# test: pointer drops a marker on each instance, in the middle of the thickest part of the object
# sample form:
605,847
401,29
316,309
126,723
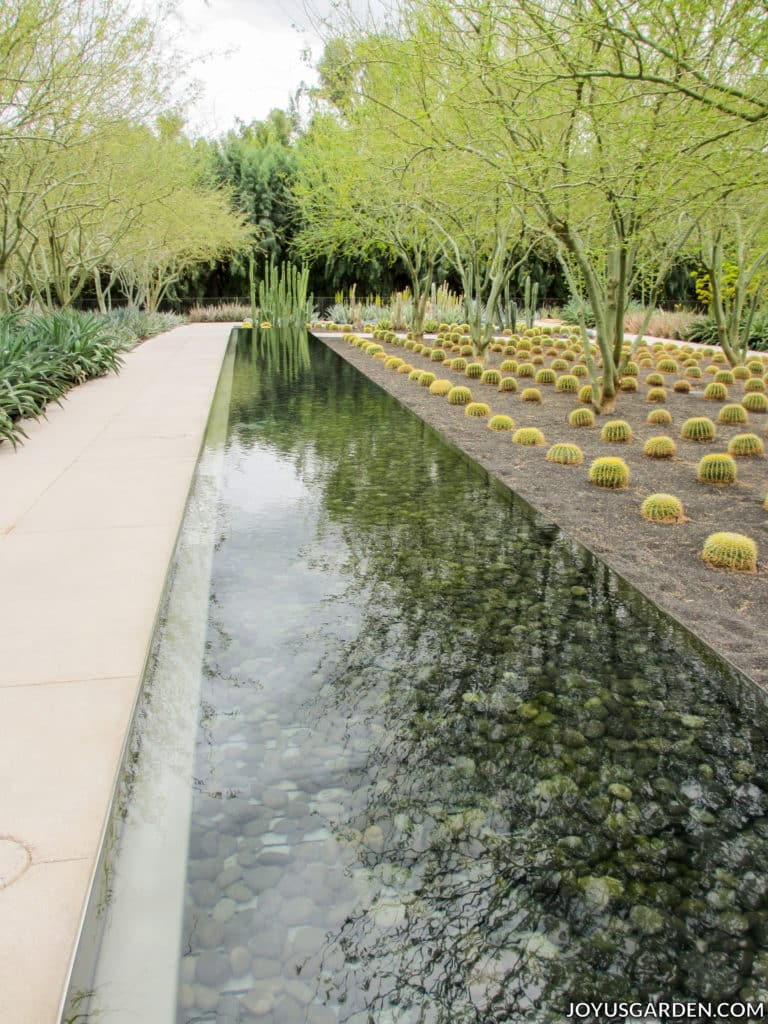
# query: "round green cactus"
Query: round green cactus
609,472
744,445
440,387
667,366
474,370
565,454
567,382
724,377
437,355
530,395
717,468
559,365
662,508
659,418
654,380
477,409
631,369
410,345
755,402
528,436
509,366
617,432
459,364
500,422
698,428
508,384
492,377
731,551
659,448
739,373
732,414
545,376
393,363
715,391
754,384
581,418
719,357
459,396
404,368
579,370
585,394
466,351
526,370
658,395
415,374
628,384
682,387
755,366
427,379
694,372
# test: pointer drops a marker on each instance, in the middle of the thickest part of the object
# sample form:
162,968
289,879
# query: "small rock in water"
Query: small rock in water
288,1012
204,893
239,961
264,968
229,876
297,911
212,968
373,838
224,910
258,1003
209,933
206,999
240,892
268,943
186,995
300,992
318,1014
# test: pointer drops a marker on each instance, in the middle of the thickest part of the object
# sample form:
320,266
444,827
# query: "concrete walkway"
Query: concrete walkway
89,512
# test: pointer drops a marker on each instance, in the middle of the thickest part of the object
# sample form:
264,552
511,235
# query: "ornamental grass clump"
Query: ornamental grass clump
745,445
731,551
659,448
662,508
565,454
755,402
617,432
715,392
530,395
492,377
732,414
609,472
717,468
500,423
698,428
459,396
440,387
581,418
507,384
477,409
528,436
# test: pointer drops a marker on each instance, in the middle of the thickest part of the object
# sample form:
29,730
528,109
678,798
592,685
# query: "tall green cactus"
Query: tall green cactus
283,295
252,284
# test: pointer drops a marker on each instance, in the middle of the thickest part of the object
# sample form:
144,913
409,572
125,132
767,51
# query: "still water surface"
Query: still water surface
448,767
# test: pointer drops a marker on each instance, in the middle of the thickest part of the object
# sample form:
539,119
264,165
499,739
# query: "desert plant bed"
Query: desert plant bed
664,559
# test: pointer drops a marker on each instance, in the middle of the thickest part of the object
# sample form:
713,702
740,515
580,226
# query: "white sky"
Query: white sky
250,54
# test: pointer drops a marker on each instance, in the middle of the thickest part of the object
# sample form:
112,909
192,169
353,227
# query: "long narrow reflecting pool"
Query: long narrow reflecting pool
446,767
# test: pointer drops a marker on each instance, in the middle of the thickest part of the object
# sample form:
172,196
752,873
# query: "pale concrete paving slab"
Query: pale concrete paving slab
89,512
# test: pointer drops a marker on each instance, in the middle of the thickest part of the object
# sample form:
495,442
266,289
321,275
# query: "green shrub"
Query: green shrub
616,431
745,445
659,448
662,508
459,396
717,468
440,387
698,428
565,454
609,472
477,409
581,418
731,551
501,423
507,384
528,436
530,395
732,414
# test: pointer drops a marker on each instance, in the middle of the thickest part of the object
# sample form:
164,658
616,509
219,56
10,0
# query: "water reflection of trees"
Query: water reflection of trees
569,790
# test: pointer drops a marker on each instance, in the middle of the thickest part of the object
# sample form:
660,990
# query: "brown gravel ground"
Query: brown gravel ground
728,611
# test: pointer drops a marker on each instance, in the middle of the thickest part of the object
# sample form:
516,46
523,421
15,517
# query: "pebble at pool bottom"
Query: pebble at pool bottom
448,767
